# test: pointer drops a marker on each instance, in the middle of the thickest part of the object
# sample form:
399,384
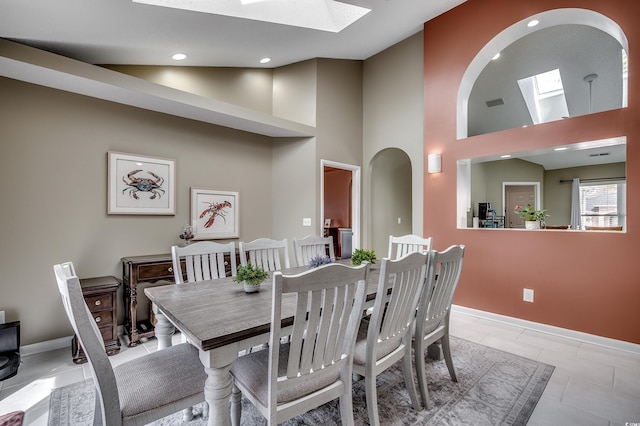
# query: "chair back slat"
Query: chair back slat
203,260
402,246
402,280
311,246
271,255
329,304
442,280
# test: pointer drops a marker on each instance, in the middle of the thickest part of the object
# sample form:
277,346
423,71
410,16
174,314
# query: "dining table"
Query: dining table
223,321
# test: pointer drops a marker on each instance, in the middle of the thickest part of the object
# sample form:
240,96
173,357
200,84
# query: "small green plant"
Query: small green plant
318,260
528,213
363,255
252,275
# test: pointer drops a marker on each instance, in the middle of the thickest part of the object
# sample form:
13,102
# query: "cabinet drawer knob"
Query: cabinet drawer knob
98,319
170,269
98,302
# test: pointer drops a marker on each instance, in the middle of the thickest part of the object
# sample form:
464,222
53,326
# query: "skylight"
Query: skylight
323,15
544,96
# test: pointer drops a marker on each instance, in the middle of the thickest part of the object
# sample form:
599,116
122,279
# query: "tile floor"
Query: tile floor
591,385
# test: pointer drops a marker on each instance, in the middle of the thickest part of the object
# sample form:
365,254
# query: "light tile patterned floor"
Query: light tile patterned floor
591,385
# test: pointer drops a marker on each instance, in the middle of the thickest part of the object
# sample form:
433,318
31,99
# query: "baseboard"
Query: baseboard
48,345
619,345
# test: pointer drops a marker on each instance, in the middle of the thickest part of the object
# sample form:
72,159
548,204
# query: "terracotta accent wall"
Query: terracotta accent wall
582,281
337,197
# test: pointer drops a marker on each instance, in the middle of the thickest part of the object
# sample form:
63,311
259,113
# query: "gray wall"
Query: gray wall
487,179
393,118
53,165
53,170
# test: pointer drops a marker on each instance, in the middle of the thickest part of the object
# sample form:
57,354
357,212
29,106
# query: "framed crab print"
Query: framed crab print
214,214
140,185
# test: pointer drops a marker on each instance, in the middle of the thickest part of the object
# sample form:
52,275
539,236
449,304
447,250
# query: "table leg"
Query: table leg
164,329
217,388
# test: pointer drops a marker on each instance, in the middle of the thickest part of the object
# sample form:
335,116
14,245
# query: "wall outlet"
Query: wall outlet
1,317
306,221
527,295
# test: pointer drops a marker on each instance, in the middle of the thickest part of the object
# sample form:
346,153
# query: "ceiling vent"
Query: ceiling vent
495,102
600,154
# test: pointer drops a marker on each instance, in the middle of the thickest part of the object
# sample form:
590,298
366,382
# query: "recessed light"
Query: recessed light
265,60
561,148
496,56
506,156
533,23
179,57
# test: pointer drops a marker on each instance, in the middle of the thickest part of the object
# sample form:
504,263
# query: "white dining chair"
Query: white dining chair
204,260
386,337
271,255
311,246
401,246
315,366
139,391
432,320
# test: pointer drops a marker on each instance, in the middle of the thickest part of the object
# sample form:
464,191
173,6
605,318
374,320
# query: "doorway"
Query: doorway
519,194
345,200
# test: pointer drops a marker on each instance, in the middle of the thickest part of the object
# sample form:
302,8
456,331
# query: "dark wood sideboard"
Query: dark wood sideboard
100,294
135,271
154,269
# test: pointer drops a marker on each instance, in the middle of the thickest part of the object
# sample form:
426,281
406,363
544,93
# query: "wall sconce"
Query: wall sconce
434,163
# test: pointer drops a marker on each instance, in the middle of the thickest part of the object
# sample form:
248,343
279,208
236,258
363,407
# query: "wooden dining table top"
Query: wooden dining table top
216,313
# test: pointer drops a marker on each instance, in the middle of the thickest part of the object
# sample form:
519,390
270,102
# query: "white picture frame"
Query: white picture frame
214,214
140,184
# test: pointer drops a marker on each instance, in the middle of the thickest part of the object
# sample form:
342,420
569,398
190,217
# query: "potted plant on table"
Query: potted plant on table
251,277
319,260
531,217
363,255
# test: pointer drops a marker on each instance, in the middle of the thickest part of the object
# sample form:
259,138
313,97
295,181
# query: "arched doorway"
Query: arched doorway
391,200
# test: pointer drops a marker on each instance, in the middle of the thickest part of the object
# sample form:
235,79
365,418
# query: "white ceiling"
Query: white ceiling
124,32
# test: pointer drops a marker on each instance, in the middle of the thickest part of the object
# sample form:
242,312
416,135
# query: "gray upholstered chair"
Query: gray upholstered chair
311,246
204,260
271,255
139,391
315,366
432,320
401,246
386,336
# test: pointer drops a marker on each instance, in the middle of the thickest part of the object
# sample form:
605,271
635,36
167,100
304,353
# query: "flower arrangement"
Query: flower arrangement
363,255
528,213
187,234
316,261
252,275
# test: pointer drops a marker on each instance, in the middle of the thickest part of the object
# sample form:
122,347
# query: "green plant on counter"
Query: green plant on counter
528,213
252,275
363,255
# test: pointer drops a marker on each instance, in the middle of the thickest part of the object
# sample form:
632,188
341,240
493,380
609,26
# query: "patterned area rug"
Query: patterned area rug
493,388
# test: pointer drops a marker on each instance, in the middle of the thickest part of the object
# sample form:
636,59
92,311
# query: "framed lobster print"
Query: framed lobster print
140,185
214,214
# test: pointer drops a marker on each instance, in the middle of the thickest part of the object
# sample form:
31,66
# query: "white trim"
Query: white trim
619,345
47,345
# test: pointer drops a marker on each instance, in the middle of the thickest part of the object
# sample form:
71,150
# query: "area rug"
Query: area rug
493,388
